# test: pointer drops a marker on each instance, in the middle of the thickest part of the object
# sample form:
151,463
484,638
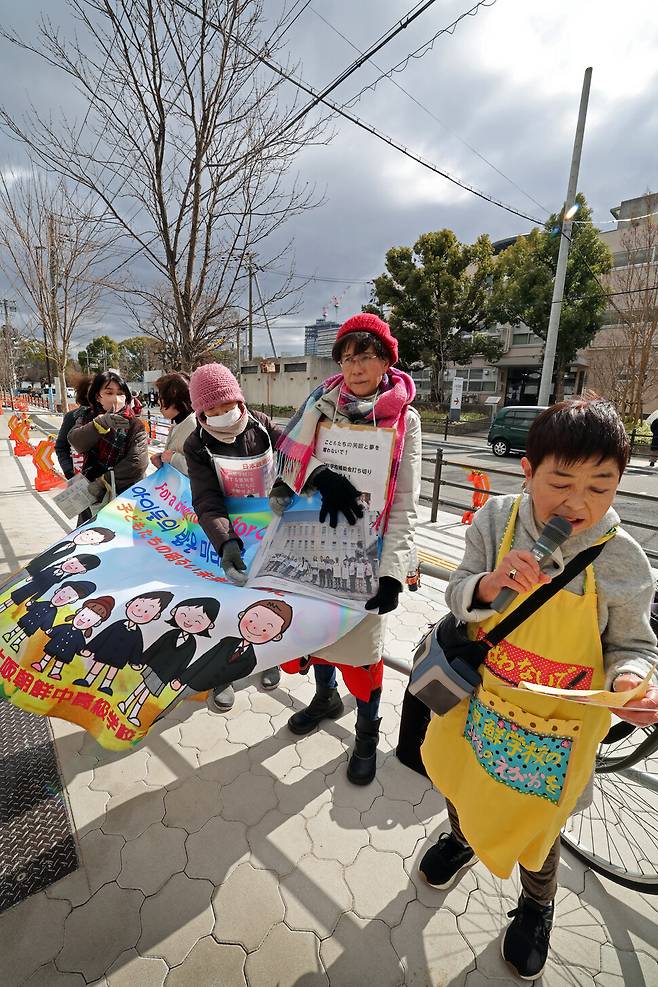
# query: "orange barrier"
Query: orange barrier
480,494
13,422
47,477
21,438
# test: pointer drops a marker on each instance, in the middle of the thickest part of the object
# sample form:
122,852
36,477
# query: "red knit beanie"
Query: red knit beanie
368,322
213,384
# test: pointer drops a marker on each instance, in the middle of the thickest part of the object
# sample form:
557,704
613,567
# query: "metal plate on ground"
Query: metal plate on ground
37,845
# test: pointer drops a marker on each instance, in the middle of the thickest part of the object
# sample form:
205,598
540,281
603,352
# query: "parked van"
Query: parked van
509,429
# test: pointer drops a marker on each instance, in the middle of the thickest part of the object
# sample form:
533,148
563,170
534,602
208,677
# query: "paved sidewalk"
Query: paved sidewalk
225,851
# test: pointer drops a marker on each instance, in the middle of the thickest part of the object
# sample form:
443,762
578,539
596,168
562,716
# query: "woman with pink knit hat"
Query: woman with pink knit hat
226,435
370,392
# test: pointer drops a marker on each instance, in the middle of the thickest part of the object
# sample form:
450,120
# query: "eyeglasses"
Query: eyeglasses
358,361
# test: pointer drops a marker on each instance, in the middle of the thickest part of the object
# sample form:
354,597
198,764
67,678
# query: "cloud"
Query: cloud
507,82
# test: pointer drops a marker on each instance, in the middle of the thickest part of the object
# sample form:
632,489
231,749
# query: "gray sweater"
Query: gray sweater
624,581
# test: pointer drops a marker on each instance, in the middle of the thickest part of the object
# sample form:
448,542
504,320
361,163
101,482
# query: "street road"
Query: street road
474,451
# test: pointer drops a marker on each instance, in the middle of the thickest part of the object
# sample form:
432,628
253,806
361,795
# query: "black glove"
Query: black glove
232,564
386,598
338,496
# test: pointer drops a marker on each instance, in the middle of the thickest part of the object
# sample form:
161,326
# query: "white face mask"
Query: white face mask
108,401
226,420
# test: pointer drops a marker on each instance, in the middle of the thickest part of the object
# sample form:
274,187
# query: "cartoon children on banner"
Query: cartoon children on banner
44,580
121,643
170,659
85,537
172,652
68,639
41,615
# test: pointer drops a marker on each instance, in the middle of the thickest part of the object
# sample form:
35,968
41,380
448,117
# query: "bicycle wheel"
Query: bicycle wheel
617,835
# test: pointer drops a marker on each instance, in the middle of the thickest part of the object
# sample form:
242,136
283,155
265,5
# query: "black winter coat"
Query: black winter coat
207,496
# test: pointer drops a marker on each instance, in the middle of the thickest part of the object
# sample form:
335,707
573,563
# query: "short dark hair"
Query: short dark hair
363,341
576,430
101,380
162,596
82,389
174,390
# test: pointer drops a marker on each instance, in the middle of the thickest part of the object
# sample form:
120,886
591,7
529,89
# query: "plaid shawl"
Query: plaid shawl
295,447
110,446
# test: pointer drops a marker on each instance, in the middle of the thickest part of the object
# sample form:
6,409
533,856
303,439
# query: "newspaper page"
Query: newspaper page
335,563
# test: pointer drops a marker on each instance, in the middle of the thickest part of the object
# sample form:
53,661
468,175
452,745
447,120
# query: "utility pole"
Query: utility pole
52,266
11,374
563,254
251,307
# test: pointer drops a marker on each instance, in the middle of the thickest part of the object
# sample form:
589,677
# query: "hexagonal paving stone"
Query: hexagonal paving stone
149,861
278,764
96,933
244,925
170,763
118,775
224,762
133,811
248,798
217,849
315,895
210,959
337,833
133,970
379,885
286,957
202,730
393,826
344,793
360,952
431,947
320,751
32,934
100,857
192,804
432,812
175,918
301,792
271,703
400,783
621,967
482,926
88,808
49,976
249,728
278,842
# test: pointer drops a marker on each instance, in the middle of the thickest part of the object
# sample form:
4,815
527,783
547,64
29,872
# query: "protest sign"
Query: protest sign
333,563
130,613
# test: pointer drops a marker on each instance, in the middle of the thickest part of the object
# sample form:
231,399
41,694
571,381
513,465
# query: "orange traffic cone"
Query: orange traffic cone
21,438
42,457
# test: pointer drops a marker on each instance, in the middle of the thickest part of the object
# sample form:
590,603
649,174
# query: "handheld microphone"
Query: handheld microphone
554,534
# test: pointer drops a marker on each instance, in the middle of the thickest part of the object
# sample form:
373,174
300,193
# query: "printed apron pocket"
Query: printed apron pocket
521,750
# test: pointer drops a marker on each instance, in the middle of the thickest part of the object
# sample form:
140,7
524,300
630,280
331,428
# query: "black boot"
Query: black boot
363,762
326,704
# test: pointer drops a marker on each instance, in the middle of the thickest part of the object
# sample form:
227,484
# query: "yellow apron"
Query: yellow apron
513,763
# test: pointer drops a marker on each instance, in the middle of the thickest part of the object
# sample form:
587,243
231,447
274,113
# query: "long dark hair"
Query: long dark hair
103,378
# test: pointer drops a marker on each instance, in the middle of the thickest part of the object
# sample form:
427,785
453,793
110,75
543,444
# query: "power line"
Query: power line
429,112
280,71
376,46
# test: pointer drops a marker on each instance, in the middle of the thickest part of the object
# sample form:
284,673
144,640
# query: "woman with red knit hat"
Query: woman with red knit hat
226,436
369,391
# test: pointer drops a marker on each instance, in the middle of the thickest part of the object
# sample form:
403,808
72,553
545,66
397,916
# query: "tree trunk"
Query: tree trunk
558,373
62,389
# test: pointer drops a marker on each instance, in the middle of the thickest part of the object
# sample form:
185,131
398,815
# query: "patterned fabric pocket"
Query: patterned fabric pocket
510,748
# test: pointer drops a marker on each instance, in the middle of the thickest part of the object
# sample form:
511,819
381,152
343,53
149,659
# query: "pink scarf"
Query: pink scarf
296,445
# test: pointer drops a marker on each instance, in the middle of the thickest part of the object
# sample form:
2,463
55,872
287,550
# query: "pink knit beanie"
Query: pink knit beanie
213,384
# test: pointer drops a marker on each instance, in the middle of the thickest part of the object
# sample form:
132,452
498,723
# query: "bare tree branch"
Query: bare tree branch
184,149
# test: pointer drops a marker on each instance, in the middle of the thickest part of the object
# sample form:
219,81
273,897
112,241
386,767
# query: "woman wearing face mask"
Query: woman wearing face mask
110,436
175,405
369,391
226,435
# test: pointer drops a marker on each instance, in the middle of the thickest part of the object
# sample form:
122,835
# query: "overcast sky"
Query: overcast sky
507,82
